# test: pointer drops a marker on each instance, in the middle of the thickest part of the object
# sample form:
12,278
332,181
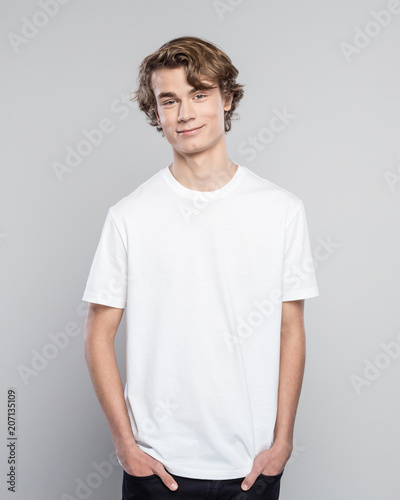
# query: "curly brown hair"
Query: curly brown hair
199,57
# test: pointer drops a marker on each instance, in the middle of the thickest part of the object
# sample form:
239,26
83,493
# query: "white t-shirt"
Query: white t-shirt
202,276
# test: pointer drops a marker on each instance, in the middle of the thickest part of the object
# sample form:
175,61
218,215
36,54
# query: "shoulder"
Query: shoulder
141,197
280,198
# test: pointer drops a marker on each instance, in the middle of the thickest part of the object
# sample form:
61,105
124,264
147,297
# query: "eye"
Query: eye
172,101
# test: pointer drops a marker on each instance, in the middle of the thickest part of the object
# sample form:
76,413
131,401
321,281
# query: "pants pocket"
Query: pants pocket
272,478
130,476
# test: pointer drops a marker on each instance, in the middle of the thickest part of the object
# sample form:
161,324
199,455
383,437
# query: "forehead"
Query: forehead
172,80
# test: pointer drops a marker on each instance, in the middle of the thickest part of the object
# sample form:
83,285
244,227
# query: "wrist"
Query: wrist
284,444
122,444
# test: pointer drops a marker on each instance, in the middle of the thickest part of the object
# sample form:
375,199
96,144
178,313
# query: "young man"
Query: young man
212,264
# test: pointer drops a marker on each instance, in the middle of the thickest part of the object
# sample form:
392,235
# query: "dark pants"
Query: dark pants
152,488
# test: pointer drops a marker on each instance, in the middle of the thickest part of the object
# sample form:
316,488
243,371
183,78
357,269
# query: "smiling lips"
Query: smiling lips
191,131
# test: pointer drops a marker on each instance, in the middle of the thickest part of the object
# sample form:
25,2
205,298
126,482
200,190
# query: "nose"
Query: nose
186,111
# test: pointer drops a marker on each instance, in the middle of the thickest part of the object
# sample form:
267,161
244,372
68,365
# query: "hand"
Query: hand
136,462
269,462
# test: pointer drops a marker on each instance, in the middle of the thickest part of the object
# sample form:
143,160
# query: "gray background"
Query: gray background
340,153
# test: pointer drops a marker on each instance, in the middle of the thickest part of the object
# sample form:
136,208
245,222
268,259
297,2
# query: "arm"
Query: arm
100,329
291,370
292,361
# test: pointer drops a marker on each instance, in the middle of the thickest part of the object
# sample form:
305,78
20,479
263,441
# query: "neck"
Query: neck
207,172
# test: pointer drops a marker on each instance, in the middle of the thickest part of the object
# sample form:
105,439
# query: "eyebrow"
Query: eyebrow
161,95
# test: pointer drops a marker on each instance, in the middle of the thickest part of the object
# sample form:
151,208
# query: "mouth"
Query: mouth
191,131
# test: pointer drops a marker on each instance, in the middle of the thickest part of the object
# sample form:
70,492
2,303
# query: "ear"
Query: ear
155,111
228,102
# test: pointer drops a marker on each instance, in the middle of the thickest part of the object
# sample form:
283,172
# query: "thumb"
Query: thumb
249,480
169,481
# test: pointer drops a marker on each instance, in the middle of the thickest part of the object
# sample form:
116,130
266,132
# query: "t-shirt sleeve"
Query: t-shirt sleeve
299,279
107,281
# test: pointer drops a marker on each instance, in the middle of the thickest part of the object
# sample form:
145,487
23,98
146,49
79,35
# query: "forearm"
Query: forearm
291,371
106,380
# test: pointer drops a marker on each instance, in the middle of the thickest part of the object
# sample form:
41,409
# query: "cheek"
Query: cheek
165,120
214,113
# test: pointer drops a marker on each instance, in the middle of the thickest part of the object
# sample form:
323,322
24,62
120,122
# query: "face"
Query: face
181,108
